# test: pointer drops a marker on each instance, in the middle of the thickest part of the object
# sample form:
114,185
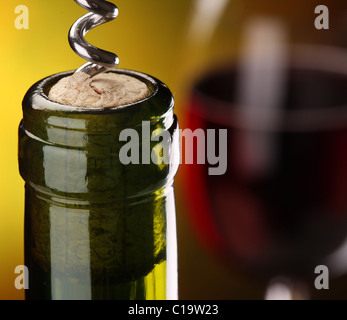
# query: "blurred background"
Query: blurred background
281,208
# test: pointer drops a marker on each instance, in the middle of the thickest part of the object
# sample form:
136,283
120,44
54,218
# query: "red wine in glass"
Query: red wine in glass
281,206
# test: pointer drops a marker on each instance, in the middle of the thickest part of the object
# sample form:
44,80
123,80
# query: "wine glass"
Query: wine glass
280,210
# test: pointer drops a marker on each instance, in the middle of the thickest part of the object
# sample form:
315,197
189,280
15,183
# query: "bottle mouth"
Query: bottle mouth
41,114
46,84
156,107
314,94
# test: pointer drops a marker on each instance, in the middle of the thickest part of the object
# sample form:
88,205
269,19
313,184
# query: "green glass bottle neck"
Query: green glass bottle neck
74,152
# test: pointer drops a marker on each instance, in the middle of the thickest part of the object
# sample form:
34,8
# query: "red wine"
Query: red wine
281,207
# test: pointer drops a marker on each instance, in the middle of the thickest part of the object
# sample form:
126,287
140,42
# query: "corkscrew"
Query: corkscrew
98,60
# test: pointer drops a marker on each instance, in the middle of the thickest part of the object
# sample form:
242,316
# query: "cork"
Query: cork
103,90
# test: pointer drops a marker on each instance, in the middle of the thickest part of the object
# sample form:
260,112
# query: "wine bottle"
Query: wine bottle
96,228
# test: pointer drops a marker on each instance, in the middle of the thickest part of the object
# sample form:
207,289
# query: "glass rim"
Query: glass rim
157,107
43,86
304,57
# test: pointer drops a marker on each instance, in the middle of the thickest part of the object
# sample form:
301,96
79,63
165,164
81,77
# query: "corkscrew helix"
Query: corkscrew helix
99,60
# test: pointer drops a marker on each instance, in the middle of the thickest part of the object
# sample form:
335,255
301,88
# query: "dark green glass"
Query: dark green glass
96,228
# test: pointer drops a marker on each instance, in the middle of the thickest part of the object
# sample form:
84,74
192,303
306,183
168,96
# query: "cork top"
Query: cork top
104,90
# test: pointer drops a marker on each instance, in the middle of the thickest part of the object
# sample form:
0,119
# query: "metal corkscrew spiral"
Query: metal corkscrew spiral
99,60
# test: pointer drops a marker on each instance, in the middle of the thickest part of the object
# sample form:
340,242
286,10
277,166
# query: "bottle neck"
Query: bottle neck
98,153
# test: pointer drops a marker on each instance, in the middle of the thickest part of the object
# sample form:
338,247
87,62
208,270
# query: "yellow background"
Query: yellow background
147,36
